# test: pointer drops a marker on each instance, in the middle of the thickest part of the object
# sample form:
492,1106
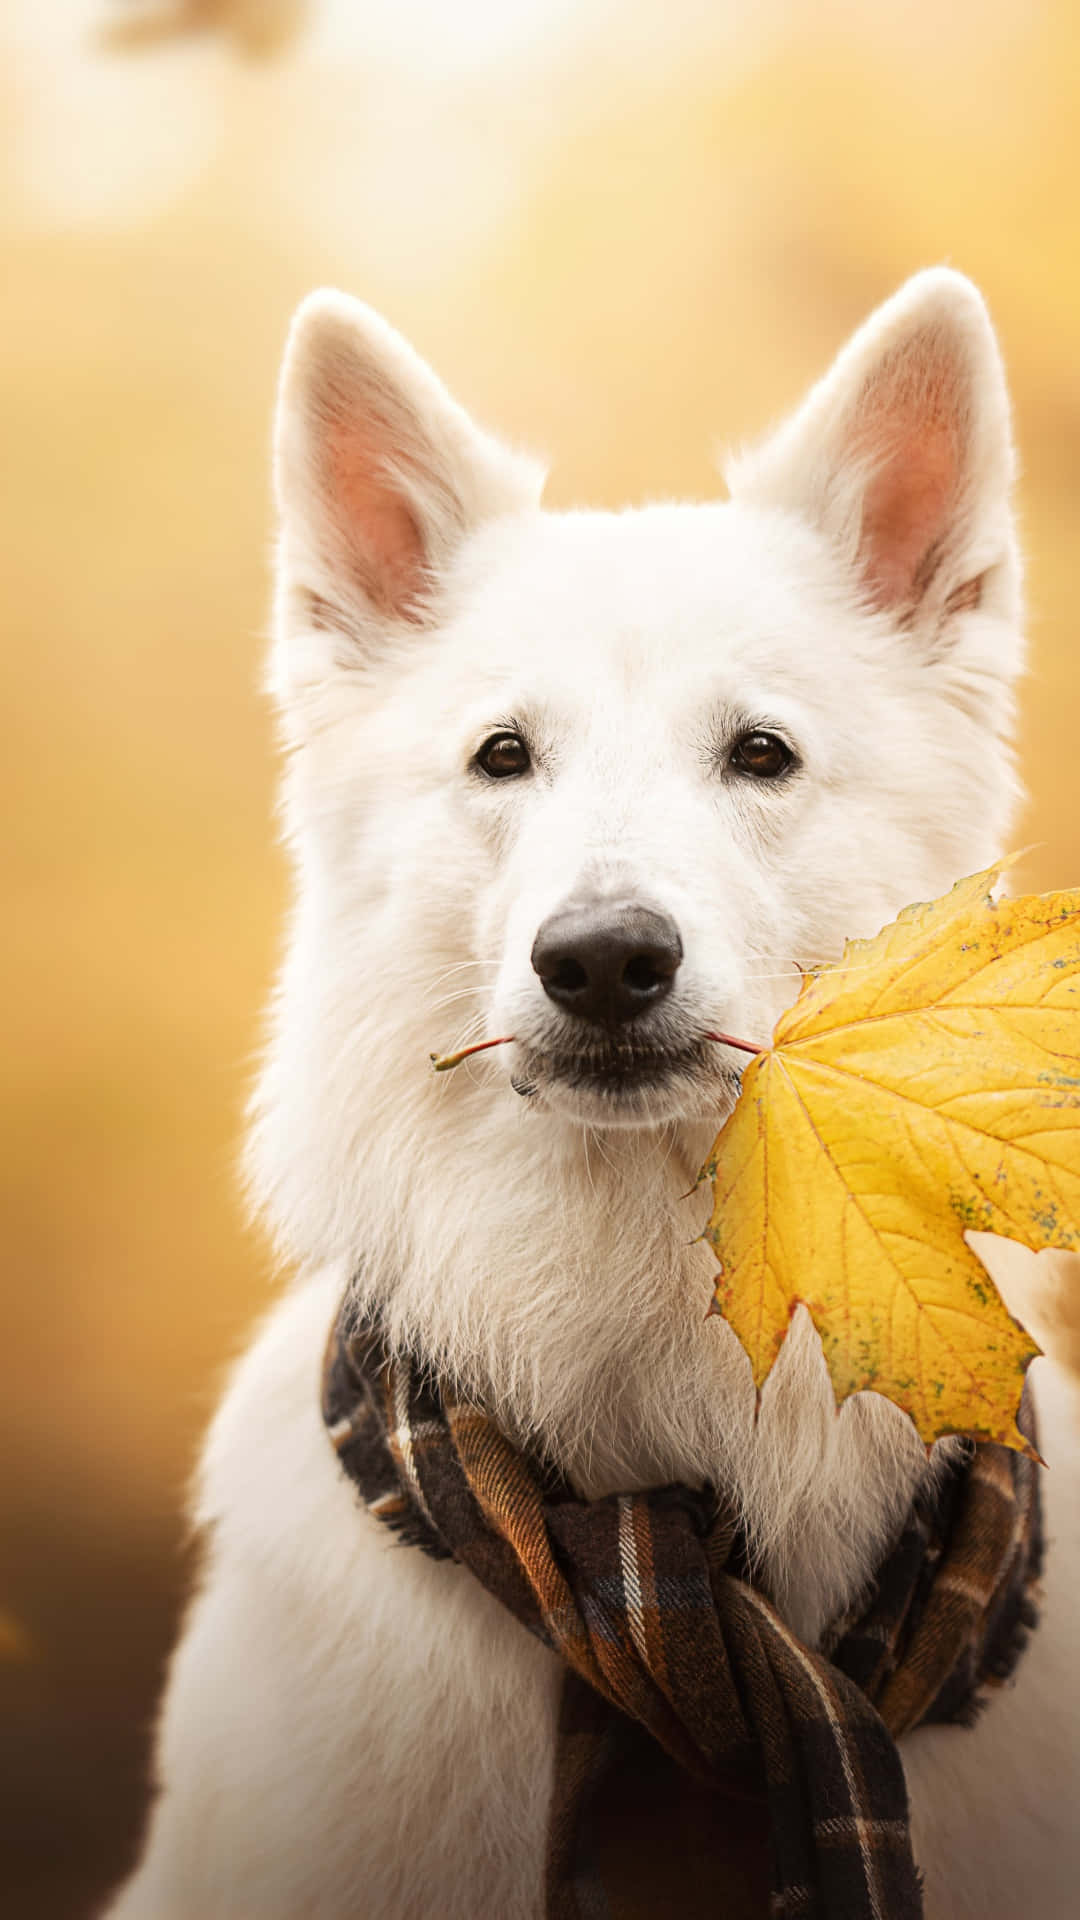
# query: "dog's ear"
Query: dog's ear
380,476
902,455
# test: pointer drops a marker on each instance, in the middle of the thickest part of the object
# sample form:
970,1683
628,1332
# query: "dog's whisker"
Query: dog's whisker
468,966
816,967
462,966
604,1154
585,1131
461,993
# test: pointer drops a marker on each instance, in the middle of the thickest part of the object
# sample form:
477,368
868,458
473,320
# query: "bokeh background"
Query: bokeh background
622,232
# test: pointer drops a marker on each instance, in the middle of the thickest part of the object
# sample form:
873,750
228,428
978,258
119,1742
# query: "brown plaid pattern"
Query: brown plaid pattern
707,1761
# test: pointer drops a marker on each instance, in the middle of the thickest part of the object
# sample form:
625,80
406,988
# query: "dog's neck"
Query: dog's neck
553,1271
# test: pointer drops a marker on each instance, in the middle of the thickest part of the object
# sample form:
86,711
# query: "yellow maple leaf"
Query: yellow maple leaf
926,1086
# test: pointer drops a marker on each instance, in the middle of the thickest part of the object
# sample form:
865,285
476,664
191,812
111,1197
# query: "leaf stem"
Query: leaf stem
729,1040
442,1062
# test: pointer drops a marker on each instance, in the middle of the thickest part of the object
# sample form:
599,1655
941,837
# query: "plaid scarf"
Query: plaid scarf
706,1760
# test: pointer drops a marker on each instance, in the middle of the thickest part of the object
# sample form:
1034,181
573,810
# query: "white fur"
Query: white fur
349,1727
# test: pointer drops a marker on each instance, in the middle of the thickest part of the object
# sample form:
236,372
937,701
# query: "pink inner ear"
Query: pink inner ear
907,508
377,522
910,428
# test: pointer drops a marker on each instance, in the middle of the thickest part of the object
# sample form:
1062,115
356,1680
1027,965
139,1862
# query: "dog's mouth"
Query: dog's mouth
632,1079
619,1066
628,1078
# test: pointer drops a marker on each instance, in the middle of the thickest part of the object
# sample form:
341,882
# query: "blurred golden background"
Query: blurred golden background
622,232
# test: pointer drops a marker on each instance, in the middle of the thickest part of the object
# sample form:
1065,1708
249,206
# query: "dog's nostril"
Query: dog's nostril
568,976
607,964
641,974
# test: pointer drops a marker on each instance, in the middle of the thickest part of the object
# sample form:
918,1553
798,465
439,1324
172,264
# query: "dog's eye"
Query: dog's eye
503,756
761,754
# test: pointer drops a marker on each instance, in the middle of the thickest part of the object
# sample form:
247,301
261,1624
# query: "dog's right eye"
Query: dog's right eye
503,757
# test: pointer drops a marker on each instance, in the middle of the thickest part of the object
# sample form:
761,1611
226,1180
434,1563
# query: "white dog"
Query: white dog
598,782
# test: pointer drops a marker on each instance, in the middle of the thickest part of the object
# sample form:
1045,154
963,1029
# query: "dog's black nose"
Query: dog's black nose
607,963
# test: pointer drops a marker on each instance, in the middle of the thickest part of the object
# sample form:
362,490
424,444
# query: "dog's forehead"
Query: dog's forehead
662,593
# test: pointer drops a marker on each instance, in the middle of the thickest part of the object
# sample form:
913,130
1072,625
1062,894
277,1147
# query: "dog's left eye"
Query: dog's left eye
762,755
503,756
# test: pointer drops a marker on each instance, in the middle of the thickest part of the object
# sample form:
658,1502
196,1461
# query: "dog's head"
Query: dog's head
604,782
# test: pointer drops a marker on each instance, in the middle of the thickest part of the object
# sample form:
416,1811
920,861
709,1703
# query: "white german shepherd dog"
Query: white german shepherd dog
600,782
